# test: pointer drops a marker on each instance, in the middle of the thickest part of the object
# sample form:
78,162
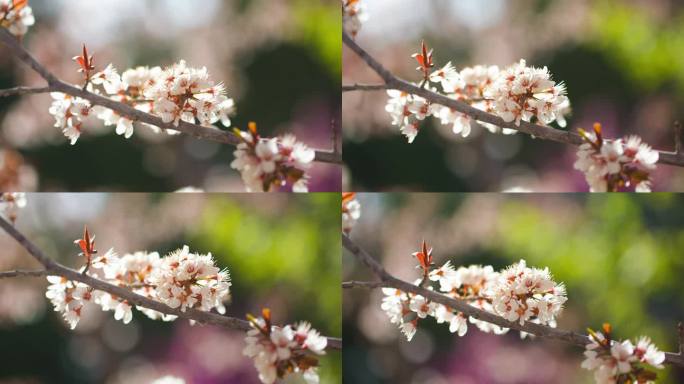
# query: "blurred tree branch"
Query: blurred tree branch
543,331
53,268
56,85
364,87
16,91
363,284
538,131
22,273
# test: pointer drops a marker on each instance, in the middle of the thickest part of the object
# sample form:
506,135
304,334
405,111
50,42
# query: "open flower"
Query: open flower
521,93
270,163
353,16
621,362
189,280
11,203
614,165
351,211
281,351
16,16
69,113
525,294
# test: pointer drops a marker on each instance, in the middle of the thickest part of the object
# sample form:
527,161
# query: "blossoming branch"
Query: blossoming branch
518,293
504,100
177,93
181,284
516,93
181,279
175,99
519,297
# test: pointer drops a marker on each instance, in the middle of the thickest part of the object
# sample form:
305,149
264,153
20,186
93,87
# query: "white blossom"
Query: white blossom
523,294
619,362
351,211
16,16
521,93
11,203
189,280
268,163
615,164
354,15
279,351
69,113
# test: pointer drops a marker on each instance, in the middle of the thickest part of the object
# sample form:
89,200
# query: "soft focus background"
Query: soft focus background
283,252
621,61
619,256
280,61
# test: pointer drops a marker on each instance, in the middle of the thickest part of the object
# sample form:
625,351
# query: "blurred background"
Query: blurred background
620,59
280,61
619,257
282,251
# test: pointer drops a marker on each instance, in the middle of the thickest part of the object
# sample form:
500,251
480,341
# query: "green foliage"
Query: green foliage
319,26
294,255
649,51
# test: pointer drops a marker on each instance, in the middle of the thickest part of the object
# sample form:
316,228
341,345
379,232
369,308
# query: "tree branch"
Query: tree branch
364,87
56,269
363,284
22,273
197,131
467,309
537,131
23,91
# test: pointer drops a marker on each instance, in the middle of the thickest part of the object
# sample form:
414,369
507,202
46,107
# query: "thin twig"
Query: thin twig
22,273
16,91
364,87
678,137
363,284
198,131
680,334
56,269
539,330
536,131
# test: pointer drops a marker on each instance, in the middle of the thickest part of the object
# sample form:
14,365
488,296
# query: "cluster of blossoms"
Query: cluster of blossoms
610,166
174,94
10,203
526,294
516,93
621,362
279,351
351,211
518,293
16,16
270,163
354,15
180,280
